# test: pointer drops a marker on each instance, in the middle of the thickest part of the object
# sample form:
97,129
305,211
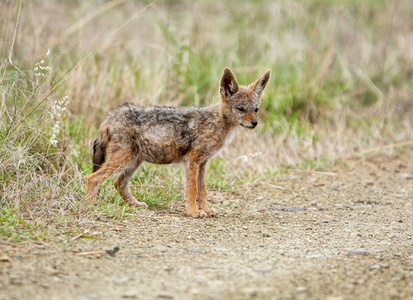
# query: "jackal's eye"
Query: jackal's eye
240,108
256,110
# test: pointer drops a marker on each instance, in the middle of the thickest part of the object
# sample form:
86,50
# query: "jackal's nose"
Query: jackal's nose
254,123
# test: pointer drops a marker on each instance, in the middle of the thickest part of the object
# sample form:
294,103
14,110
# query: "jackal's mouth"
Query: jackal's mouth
249,127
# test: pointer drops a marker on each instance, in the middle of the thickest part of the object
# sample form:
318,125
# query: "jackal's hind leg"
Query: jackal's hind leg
122,185
95,180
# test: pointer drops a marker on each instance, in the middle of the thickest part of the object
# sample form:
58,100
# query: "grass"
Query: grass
13,228
341,83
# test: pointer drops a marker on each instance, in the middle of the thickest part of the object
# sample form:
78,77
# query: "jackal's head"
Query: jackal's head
240,104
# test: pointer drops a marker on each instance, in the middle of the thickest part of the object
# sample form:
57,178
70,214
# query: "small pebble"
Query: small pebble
130,295
358,253
112,250
15,280
407,176
164,296
197,251
4,258
263,270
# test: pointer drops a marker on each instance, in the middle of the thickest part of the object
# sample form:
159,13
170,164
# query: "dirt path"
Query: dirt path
342,234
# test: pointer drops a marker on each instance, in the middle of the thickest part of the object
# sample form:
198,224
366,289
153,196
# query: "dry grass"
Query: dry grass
341,83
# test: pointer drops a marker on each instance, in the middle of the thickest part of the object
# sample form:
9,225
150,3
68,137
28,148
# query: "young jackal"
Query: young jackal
164,135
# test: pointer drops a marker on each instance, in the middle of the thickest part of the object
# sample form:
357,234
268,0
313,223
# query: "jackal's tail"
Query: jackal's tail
99,153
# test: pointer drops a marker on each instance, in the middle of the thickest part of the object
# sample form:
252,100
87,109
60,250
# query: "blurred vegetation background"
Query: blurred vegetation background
341,84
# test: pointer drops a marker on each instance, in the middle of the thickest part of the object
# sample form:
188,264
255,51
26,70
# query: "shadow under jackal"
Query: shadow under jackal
164,135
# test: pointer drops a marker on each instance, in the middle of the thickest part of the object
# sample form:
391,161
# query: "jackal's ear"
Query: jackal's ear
228,85
259,86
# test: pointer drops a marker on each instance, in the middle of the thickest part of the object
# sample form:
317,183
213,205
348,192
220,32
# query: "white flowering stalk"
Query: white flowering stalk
75,153
55,132
41,68
56,113
59,107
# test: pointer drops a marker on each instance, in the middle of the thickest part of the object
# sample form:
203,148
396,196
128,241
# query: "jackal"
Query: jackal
131,135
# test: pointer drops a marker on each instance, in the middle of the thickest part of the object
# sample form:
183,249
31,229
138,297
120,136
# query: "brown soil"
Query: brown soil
342,234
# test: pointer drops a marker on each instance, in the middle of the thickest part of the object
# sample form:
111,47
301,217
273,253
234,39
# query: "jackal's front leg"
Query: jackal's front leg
202,192
192,169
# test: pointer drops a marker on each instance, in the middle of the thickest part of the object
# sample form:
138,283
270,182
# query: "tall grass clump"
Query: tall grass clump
37,156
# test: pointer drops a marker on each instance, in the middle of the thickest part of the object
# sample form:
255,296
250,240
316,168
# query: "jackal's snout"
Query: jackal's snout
249,125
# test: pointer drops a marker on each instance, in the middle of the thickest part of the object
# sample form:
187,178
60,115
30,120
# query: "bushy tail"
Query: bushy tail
99,153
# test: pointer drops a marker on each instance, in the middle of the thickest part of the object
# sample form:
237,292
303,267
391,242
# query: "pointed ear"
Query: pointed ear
228,85
259,86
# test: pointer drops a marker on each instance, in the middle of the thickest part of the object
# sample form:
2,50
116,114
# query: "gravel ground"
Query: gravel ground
342,234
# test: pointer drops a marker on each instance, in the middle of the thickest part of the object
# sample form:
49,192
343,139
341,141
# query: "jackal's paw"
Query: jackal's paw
136,203
197,214
211,212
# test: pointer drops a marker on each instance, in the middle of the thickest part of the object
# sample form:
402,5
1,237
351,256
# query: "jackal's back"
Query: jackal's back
160,135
